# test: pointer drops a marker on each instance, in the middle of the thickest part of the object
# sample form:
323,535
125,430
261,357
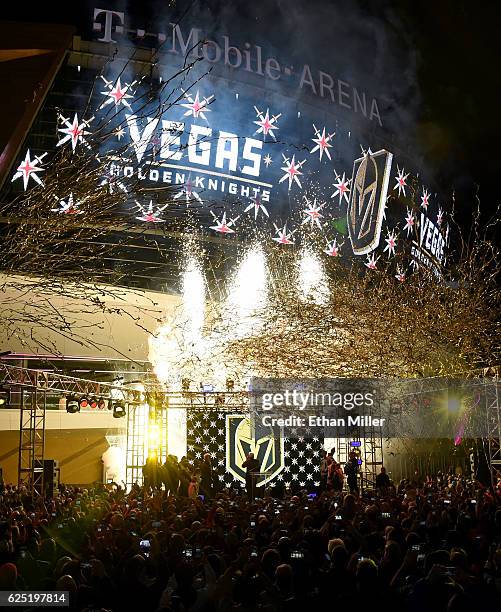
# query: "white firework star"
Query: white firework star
257,205
196,107
29,167
223,227
115,93
74,131
401,179
291,170
188,192
425,199
149,215
371,262
391,243
410,220
312,213
113,182
342,188
283,236
400,275
333,249
321,141
265,123
68,208
440,216
267,160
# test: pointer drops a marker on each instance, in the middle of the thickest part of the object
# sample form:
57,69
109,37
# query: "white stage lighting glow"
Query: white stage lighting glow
312,279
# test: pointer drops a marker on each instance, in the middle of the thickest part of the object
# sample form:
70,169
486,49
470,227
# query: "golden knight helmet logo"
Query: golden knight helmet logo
240,441
371,174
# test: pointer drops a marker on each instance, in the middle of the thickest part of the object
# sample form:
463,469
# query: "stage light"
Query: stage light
93,402
101,404
185,383
153,439
230,384
84,402
72,405
118,410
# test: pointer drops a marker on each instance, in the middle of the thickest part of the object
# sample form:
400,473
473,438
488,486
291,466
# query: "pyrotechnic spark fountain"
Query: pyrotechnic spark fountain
247,295
311,278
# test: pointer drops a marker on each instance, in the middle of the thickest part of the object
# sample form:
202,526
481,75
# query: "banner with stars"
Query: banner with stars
291,461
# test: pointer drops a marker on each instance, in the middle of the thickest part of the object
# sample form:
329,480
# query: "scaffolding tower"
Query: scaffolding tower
493,414
31,452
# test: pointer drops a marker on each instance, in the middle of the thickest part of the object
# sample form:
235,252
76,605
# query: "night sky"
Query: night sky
455,47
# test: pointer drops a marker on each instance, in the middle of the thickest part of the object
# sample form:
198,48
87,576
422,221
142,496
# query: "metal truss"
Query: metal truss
493,414
55,383
141,417
31,387
32,439
34,385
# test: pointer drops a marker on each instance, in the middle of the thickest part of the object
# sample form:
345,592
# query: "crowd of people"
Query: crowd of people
431,544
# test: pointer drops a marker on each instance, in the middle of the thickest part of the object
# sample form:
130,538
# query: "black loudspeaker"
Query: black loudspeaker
50,477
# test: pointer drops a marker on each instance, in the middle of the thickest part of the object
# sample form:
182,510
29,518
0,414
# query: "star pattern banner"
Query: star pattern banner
207,433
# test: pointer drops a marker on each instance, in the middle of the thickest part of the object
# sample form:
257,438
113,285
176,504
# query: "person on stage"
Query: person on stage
351,471
383,481
324,469
252,467
206,476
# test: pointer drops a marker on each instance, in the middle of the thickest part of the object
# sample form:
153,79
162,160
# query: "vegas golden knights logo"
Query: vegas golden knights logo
371,174
240,441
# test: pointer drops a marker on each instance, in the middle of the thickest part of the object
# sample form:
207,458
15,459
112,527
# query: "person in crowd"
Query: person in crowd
194,485
434,545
